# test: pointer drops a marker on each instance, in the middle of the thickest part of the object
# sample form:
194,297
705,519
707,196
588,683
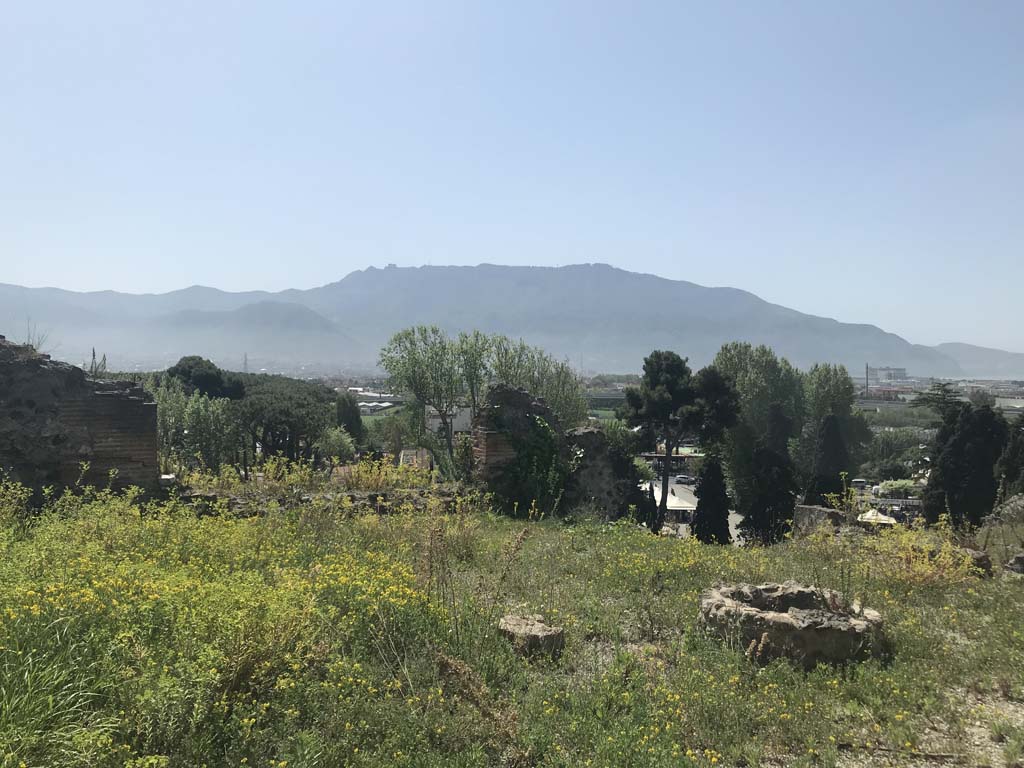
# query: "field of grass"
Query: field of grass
139,634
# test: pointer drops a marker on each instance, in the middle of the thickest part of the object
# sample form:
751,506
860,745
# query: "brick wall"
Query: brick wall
491,451
52,418
112,430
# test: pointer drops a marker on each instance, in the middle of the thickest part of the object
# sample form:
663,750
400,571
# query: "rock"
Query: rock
531,636
1015,564
980,560
802,623
808,519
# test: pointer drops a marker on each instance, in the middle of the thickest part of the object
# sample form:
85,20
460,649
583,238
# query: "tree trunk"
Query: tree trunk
449,443
666,477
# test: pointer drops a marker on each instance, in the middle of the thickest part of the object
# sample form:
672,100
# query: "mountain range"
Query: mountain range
598,317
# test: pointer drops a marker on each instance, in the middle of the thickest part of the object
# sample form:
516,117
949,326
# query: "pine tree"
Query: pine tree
831,459
711,520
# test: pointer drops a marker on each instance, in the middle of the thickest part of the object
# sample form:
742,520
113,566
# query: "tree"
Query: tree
334,447
943,399
770,512
393,433
423,362
830,462
769,389
675,404
764,381
773,485
711,519
979,397
963,480
200,375
517,364
829,390
662,402
1011,464
474,355
348,416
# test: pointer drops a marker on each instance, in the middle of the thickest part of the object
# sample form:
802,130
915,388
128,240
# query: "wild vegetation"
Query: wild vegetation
277,618
140,633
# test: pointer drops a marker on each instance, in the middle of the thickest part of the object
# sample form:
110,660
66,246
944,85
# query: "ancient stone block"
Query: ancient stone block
802,623
530,635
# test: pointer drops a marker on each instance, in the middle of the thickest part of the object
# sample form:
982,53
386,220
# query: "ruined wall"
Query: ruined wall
507,416
606,482
512,420
52,418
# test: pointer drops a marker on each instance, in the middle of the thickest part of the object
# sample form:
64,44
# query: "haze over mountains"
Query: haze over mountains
599,317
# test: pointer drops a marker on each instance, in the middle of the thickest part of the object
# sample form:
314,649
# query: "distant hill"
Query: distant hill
984,362
599,317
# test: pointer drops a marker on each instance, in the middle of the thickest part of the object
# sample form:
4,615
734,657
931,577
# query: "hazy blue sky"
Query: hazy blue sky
863,161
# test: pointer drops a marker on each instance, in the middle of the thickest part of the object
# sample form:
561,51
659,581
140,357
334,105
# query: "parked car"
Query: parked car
685,480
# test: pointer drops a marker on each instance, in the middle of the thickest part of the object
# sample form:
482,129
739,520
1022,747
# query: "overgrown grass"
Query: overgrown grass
141,634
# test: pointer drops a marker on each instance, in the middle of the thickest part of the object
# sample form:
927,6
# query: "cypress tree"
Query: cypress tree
711,520
769,514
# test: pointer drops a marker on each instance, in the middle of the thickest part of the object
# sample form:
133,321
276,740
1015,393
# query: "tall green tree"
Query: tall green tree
831,460
769,388
474,355
517,364
424,363
944,400
1011,464
768,515
348,415
711,518
662,402
963,479
829,390
675,404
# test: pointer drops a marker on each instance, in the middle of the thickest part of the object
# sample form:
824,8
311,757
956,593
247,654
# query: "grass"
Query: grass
138,634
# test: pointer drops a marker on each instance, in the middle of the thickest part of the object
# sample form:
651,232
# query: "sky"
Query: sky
862,161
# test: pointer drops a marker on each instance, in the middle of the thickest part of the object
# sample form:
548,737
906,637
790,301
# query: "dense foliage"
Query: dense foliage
674,404
211,418
444,373
711,518
139,634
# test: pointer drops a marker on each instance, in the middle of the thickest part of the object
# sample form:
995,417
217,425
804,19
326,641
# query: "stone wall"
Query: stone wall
507,415
512,420
53,418
601,480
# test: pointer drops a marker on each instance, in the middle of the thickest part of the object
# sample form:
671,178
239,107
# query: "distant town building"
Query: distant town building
881,375
461,420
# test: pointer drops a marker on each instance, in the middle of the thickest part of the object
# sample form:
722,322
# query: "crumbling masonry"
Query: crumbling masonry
53,419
